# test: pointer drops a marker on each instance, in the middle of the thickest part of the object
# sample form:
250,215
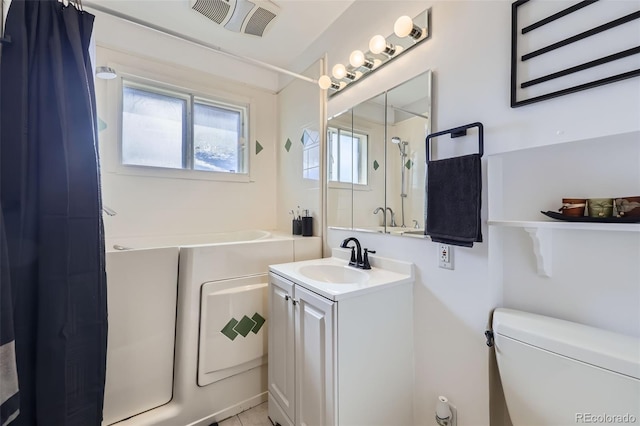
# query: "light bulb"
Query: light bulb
356,59
324,82
339,71
403,26
377,44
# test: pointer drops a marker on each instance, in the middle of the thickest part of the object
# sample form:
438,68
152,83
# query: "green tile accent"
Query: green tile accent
375,165
259,148
408,164
302,137
244,326
259,322
288,144
228,329
101,124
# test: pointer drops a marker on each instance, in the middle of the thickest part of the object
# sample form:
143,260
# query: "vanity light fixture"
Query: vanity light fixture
407,34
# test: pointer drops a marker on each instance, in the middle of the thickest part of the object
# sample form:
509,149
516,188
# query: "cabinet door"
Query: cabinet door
281,368
315,360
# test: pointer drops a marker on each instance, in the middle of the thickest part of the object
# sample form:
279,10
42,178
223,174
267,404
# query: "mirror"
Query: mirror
376,161
408,124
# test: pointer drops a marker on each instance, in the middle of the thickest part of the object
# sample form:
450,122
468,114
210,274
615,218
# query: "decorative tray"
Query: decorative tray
560,216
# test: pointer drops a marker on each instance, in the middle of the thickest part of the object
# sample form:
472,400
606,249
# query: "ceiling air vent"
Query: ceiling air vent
216,10
241,16
259,21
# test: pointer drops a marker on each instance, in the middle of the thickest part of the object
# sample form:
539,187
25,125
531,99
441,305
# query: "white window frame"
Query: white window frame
309,146
151,82
347,185
243,150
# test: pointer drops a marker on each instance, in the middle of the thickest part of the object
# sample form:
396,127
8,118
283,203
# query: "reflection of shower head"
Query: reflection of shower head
402,145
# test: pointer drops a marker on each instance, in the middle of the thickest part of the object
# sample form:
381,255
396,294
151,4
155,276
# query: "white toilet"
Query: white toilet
556,372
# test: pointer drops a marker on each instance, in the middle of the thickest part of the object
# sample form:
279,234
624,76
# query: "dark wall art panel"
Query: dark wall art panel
561,47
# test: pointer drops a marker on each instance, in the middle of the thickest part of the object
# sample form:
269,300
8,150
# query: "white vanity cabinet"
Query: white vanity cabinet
341,360
281,367
302,324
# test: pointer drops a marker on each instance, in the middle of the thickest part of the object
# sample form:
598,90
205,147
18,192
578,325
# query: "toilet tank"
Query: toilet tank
556,372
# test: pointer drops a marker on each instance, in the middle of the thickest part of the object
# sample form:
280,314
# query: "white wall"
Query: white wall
298,109
149,205
469,53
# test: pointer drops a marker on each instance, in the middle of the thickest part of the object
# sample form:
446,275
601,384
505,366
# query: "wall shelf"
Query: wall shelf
585,226
541,233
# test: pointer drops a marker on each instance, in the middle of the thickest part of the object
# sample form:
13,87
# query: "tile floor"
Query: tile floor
257,416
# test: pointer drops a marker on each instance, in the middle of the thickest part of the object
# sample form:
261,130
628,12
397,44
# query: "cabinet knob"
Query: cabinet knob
287,297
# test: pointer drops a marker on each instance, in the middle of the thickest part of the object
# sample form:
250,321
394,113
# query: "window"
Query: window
311,154
347,156
170,129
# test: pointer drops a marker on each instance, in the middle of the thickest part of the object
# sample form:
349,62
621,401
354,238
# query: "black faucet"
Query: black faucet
359,261
355,261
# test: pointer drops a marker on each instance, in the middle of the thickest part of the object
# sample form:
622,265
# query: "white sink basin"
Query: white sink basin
332,277
334,274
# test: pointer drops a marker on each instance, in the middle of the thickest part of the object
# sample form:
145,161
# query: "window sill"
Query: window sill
349,186
168,173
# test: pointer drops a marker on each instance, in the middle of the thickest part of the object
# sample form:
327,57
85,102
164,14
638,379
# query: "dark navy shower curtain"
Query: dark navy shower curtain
51,204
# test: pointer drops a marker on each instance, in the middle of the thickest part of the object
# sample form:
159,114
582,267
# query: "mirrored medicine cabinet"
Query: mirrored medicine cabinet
376,161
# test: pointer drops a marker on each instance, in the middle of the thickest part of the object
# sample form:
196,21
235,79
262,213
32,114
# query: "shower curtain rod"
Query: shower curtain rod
218,49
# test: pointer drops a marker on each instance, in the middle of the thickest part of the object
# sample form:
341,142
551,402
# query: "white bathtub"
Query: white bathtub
168,361
120,244
141,298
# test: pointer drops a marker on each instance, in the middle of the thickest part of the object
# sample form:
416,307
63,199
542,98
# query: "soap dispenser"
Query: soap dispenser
307,224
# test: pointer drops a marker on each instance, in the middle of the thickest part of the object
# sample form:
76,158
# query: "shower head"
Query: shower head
401,144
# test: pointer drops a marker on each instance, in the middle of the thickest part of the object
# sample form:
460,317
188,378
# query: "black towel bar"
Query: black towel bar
458,132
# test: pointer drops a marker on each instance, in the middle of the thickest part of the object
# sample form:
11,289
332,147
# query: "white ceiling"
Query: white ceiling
297,24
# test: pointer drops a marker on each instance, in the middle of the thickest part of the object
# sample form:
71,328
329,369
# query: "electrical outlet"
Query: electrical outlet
445,256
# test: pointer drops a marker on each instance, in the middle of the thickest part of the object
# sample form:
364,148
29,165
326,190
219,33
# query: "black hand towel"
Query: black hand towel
454,199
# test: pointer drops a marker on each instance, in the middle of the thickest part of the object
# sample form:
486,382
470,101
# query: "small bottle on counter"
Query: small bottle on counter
297,227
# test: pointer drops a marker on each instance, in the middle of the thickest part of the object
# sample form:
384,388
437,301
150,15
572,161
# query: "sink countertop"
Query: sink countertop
384,272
